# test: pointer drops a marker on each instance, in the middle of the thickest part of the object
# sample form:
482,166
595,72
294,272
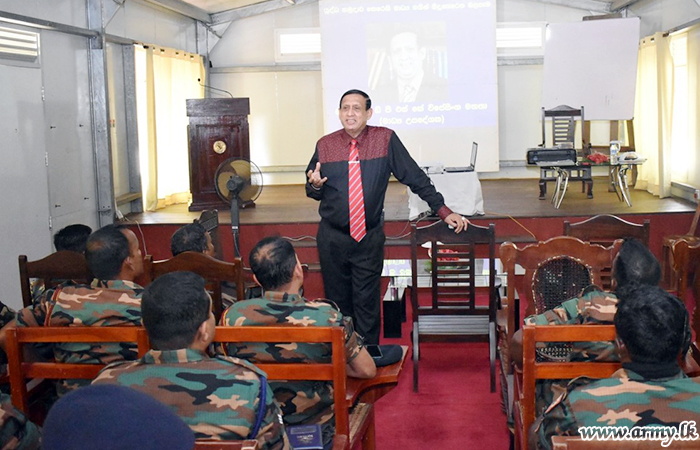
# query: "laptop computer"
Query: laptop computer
472,163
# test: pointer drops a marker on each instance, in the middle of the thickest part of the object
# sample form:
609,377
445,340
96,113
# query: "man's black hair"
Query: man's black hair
273,260
106,250
368,101
652,324
635,265
73,238
190,238
172,309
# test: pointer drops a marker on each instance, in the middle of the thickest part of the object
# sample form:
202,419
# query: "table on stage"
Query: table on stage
461,190
562,174
369,390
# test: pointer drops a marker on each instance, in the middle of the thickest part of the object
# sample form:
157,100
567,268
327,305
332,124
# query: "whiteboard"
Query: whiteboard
592,64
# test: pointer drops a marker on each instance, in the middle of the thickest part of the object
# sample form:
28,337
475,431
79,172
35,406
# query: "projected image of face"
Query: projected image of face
406,56
353,114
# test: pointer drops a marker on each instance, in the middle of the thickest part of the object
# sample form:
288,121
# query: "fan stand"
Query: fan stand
235,184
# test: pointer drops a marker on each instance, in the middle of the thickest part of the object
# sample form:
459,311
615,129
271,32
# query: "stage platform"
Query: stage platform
513,205
502,199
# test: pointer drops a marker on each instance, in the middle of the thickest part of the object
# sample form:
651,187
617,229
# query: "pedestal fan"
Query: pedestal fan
238,181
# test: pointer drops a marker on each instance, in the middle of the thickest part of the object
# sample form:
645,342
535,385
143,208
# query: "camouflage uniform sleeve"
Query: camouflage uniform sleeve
353,343
7,314
35,314
15,430
558,419
271,435
565,314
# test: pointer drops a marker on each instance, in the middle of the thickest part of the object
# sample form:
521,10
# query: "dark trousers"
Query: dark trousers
351,275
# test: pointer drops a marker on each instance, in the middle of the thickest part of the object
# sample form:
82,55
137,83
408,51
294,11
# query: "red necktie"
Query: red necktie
356,199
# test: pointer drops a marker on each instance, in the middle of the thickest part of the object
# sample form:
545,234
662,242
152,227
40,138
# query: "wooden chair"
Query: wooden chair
576,443
668,276
563,119
686,261
534,370
21,369
555,270
603,229
357,425
214,271
452,315
53,270
226,445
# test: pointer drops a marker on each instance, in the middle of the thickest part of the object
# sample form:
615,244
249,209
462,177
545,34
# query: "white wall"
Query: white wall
151,25
277,136
249,42
58,126
286,117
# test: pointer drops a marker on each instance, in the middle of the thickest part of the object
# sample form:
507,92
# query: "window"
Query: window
19,46
297,45
520,39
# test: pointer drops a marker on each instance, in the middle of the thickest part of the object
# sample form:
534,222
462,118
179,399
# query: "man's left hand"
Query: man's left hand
457,222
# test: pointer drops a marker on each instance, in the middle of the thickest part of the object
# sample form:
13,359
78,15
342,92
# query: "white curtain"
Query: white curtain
165,79
693,160
653,115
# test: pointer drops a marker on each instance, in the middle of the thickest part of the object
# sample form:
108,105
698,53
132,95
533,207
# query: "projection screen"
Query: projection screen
429,67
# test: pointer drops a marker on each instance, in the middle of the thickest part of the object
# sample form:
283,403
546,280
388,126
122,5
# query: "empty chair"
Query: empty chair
452,313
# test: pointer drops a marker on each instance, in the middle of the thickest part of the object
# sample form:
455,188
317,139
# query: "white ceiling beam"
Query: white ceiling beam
254,10
183,8
621,4
587,5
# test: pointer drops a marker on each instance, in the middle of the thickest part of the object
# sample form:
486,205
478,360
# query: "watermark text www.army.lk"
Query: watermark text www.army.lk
685,431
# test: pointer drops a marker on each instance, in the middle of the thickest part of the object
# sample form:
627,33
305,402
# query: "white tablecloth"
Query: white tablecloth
462,192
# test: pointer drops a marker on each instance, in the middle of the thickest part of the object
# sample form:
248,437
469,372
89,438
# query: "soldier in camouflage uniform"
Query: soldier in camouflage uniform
74,238
112,299
277,269
192,238
650,389
220,398
634,265
16,431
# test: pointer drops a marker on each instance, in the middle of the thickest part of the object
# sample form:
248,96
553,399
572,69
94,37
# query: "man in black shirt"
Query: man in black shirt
351,240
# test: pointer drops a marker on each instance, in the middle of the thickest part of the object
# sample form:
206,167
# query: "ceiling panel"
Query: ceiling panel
217,6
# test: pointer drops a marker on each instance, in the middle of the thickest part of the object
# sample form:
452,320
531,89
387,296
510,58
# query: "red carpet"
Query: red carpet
454,408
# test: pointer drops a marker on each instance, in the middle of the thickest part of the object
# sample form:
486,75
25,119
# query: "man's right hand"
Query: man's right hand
314,177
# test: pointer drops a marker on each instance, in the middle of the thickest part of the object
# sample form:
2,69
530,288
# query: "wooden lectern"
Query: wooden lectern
218,130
